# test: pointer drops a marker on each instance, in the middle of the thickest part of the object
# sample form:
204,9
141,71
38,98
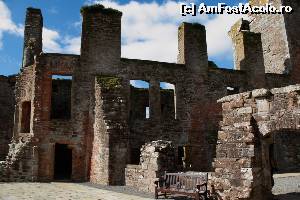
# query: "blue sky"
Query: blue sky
149,29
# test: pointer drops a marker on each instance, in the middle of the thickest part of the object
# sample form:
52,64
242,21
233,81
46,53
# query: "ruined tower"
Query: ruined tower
192,47
248,53
100,62
32,36
280,37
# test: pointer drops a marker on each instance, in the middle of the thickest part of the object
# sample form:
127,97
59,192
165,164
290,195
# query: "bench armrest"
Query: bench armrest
203,184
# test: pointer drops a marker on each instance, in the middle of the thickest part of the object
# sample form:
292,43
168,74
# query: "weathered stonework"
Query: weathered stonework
156,158
259,135
106,125
7,107
280,38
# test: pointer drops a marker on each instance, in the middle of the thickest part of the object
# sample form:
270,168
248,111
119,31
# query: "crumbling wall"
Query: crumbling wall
156,158
274,39
7,107
21,163
247,141
110,145
198,84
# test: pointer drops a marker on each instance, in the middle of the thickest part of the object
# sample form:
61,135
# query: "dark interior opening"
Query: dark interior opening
180,155
61,97
284,152
232,90
167,100
26,115
135,156
139,100
63,162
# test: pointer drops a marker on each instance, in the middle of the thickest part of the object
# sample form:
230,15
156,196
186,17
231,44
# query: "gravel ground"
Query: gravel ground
287,187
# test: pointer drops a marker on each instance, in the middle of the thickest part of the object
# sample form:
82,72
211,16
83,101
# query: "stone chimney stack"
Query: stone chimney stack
33,44
101,39
248,53
192,47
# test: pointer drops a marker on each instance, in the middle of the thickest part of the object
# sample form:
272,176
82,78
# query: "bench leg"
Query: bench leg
156,193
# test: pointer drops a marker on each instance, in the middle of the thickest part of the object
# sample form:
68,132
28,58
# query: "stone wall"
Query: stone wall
61,99
21,163
293,36
156,158
110,145
252,131
286,151
274,39
94,129
33,44
7,107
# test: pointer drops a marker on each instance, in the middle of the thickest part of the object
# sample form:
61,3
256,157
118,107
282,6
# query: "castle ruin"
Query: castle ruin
92,125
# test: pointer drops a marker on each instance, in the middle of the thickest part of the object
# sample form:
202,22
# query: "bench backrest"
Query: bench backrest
186,181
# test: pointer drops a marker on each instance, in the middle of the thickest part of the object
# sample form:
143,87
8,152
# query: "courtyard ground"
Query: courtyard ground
65,191
287,187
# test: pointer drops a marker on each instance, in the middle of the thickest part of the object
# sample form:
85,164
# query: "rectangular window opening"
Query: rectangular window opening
26,116
180,155
168,100
61,97
147,113
139,98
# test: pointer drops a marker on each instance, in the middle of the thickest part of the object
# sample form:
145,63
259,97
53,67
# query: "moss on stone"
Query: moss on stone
99,8
109,82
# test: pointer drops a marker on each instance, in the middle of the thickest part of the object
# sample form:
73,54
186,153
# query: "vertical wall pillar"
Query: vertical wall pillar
32,35
101,39
192,47
292,22
100,55
248,53
154,100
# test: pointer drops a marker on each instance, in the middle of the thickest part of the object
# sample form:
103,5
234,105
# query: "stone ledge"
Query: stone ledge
287,89
234,97
260,93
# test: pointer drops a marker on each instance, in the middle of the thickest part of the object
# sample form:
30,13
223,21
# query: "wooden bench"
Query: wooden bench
192,184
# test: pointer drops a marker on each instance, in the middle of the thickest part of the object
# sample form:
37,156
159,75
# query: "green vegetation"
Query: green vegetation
109,82
99,8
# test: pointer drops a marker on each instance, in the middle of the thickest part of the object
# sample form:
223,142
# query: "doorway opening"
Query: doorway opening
283,159
63,162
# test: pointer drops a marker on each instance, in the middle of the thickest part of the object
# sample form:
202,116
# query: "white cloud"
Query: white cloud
218,41
51,40
6,23
72,44
149,30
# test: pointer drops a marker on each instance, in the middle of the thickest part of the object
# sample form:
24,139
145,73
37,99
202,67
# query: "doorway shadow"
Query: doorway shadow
288,196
